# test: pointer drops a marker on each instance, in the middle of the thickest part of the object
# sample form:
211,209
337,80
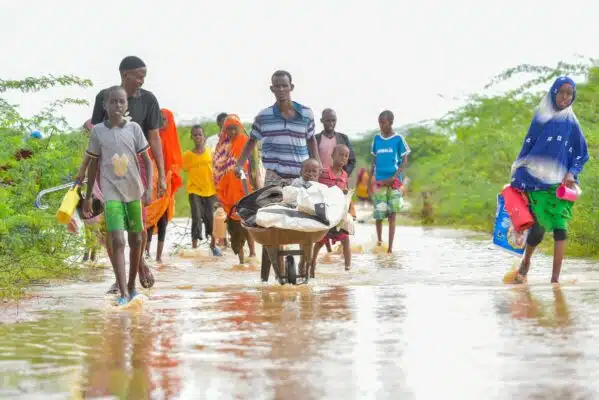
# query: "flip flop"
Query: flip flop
132,294
216,252
122,301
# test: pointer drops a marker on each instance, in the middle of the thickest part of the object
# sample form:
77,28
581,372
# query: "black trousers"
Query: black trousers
202,211
161,224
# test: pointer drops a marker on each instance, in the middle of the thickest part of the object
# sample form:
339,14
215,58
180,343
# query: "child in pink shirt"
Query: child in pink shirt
335,175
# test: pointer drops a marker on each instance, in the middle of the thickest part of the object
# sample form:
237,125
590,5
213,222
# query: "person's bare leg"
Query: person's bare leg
135,253
559,248
252,246
315,251
109,251
194,244
379,231
329,247
525,264
144,240
118,261
392,219
159,249
346,253
148,245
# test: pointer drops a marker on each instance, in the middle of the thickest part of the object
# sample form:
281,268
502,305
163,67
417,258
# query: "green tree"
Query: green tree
33,247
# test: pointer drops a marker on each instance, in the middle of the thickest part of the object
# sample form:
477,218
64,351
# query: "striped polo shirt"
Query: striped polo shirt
284,145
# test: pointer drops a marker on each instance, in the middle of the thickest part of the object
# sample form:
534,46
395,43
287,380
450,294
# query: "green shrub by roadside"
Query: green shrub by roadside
33,247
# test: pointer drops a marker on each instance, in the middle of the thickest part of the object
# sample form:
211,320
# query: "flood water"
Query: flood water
433,321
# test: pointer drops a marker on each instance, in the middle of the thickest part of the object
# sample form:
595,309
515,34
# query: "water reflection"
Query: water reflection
546,313
431,321
129,357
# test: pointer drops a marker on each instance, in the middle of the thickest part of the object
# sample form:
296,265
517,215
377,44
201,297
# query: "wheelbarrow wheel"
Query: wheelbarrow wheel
291,272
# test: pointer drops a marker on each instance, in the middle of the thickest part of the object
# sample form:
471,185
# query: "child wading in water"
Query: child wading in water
201,189
336,176
117,143
554,152
390,152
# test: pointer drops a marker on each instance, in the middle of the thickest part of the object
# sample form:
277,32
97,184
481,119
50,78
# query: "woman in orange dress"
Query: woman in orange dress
229,187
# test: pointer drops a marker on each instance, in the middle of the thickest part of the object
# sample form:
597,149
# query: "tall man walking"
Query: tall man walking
286,130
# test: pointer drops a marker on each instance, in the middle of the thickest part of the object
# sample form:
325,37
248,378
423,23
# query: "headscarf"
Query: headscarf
554,145
171,149
228,150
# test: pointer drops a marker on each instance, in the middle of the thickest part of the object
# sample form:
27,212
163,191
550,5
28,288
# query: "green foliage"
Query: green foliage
33,247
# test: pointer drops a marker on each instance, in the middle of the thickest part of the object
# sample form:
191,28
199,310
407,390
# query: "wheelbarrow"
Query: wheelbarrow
283,261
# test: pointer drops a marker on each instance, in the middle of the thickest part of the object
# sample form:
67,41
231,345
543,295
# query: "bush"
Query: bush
33,247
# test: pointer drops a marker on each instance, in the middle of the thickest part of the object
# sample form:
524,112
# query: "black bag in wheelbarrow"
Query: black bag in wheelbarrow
248,206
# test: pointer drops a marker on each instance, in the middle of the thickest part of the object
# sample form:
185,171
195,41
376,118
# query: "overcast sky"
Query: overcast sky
358,57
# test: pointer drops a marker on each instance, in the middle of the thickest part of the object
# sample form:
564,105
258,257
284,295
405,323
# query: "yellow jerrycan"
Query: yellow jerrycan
219,229
68,205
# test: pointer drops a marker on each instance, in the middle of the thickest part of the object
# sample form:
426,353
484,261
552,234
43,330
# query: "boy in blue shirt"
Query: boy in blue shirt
390,157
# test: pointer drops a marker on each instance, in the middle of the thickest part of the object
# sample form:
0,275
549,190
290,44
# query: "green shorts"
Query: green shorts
121,216
387,201
549,211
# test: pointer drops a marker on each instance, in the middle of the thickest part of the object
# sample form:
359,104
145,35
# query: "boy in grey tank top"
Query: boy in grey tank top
116,143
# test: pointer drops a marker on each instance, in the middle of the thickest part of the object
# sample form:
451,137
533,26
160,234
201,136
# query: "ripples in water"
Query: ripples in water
431,321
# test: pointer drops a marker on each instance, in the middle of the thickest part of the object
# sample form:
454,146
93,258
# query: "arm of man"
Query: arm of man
93,153
93,169
313,148
255,136
141,148
311,141
156,146
149,176
153,121
245,154
83,168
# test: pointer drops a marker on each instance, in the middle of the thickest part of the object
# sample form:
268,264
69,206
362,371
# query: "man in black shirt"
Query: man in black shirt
143,109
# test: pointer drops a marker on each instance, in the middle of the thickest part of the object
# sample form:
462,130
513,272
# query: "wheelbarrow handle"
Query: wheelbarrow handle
42,193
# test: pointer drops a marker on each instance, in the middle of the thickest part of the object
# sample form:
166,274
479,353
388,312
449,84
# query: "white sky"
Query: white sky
358,57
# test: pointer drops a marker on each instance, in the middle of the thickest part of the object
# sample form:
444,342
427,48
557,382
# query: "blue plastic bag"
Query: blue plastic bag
504,235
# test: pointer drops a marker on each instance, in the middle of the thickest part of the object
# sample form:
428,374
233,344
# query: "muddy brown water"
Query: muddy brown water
432,321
